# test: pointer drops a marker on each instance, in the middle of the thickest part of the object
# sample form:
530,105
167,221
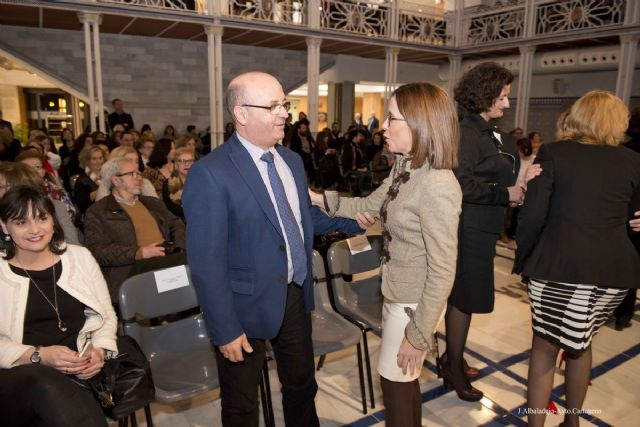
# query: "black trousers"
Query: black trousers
294,356
38,395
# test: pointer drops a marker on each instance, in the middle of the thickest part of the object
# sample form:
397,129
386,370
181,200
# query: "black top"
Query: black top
573,227
485,170
123,119
82,190
40,320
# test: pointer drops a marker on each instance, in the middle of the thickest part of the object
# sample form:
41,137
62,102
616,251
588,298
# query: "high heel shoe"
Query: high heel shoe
471,373
463,389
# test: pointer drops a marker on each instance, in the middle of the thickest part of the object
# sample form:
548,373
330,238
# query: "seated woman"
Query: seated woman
160,164
55,305
86,185
15,174
172,188
53,188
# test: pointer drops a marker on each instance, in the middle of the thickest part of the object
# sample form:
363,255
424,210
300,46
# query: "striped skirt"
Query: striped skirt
570,315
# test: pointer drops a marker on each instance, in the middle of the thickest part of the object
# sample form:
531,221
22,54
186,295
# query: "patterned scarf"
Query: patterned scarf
400,176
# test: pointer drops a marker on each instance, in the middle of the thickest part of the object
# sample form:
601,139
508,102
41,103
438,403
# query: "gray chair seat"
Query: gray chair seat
331,332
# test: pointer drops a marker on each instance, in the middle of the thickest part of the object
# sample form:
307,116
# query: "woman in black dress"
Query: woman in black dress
486,174
574,245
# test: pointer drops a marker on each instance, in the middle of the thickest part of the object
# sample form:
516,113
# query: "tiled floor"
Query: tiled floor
498,344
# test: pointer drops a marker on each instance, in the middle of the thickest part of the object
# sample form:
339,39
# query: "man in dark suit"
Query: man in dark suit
374,123
119,117
249,244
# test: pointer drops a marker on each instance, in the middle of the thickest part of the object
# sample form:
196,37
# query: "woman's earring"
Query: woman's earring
7,238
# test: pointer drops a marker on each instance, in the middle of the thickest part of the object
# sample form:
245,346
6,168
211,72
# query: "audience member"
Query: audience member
9,146
172,188
132,155
119,117
374,123
536,141
126,228
169,132
15,174
160,165
86,185
55,302
229,128
145,148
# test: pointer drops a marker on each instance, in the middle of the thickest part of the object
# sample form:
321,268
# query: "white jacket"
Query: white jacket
82,279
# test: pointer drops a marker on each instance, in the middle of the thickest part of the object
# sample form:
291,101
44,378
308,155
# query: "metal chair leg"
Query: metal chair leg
123,422
147,415
363,393
134,421
368,367
321,362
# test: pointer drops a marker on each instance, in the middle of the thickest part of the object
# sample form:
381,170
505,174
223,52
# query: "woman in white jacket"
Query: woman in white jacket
56,321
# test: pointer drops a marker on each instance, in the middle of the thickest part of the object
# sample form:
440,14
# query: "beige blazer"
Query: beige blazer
423,223
81,278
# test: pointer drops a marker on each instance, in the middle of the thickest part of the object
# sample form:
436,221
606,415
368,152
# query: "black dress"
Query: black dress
485,171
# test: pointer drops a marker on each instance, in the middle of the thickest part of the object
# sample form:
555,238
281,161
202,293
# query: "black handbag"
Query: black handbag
124,384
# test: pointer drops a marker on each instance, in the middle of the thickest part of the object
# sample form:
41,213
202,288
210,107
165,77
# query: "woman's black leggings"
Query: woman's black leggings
37,395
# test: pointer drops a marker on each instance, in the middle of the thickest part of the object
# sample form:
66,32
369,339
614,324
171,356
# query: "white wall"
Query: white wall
9,103
355,69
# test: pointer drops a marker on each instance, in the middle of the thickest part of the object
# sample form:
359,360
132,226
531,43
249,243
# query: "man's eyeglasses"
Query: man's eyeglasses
390,118
185,161
273,109
135,174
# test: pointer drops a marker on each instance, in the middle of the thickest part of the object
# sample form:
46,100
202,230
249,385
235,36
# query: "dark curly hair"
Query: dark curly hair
23,200
481,86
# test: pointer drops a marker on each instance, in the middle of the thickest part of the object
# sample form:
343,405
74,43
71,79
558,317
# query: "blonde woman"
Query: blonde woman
419,204
573,244
172,188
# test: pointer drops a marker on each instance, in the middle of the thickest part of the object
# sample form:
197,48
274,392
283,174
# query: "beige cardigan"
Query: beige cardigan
423,222
81,278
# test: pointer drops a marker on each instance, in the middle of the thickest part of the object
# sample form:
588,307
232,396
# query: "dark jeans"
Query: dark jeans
294,356
37,395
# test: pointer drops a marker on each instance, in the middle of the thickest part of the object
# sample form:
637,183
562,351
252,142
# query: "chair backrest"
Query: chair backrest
347,289
320,284
140,295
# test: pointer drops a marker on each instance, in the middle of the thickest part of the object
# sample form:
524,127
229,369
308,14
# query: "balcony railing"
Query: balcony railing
409,21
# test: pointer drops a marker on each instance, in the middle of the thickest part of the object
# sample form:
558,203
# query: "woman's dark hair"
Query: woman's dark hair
19,202
145,127
479,87
173,130
525,146
161,150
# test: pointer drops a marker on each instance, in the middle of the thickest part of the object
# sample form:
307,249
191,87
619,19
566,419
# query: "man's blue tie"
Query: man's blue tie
291,229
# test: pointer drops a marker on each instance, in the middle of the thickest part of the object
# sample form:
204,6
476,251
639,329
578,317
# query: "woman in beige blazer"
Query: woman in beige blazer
419,205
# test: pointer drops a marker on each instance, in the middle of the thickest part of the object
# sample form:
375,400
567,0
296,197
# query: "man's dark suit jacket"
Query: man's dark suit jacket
573,227
123,119
235,247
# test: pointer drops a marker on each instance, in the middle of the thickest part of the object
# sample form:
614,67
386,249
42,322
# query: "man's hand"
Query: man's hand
409,357
365,219
635,223
153,250
233,350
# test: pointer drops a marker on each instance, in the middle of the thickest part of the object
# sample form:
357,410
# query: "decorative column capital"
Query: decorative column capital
629,38
214,30
527,49
313,42
91,18
392,51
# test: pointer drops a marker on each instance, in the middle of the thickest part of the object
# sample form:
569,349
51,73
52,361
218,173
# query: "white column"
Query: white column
390,73
216,94
455,65
458,23
628,52
313,13
524,86
394,20
313,81
75,111
89,64
529,19
98,70
632,12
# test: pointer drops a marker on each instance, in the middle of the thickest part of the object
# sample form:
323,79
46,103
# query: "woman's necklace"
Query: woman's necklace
61,325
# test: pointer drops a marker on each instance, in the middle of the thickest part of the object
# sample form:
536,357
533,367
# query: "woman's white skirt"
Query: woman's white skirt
394,322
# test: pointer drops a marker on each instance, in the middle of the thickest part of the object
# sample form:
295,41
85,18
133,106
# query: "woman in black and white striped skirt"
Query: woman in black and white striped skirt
573,243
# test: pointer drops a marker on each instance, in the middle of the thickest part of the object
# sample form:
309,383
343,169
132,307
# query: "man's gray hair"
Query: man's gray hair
235,96
110,169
